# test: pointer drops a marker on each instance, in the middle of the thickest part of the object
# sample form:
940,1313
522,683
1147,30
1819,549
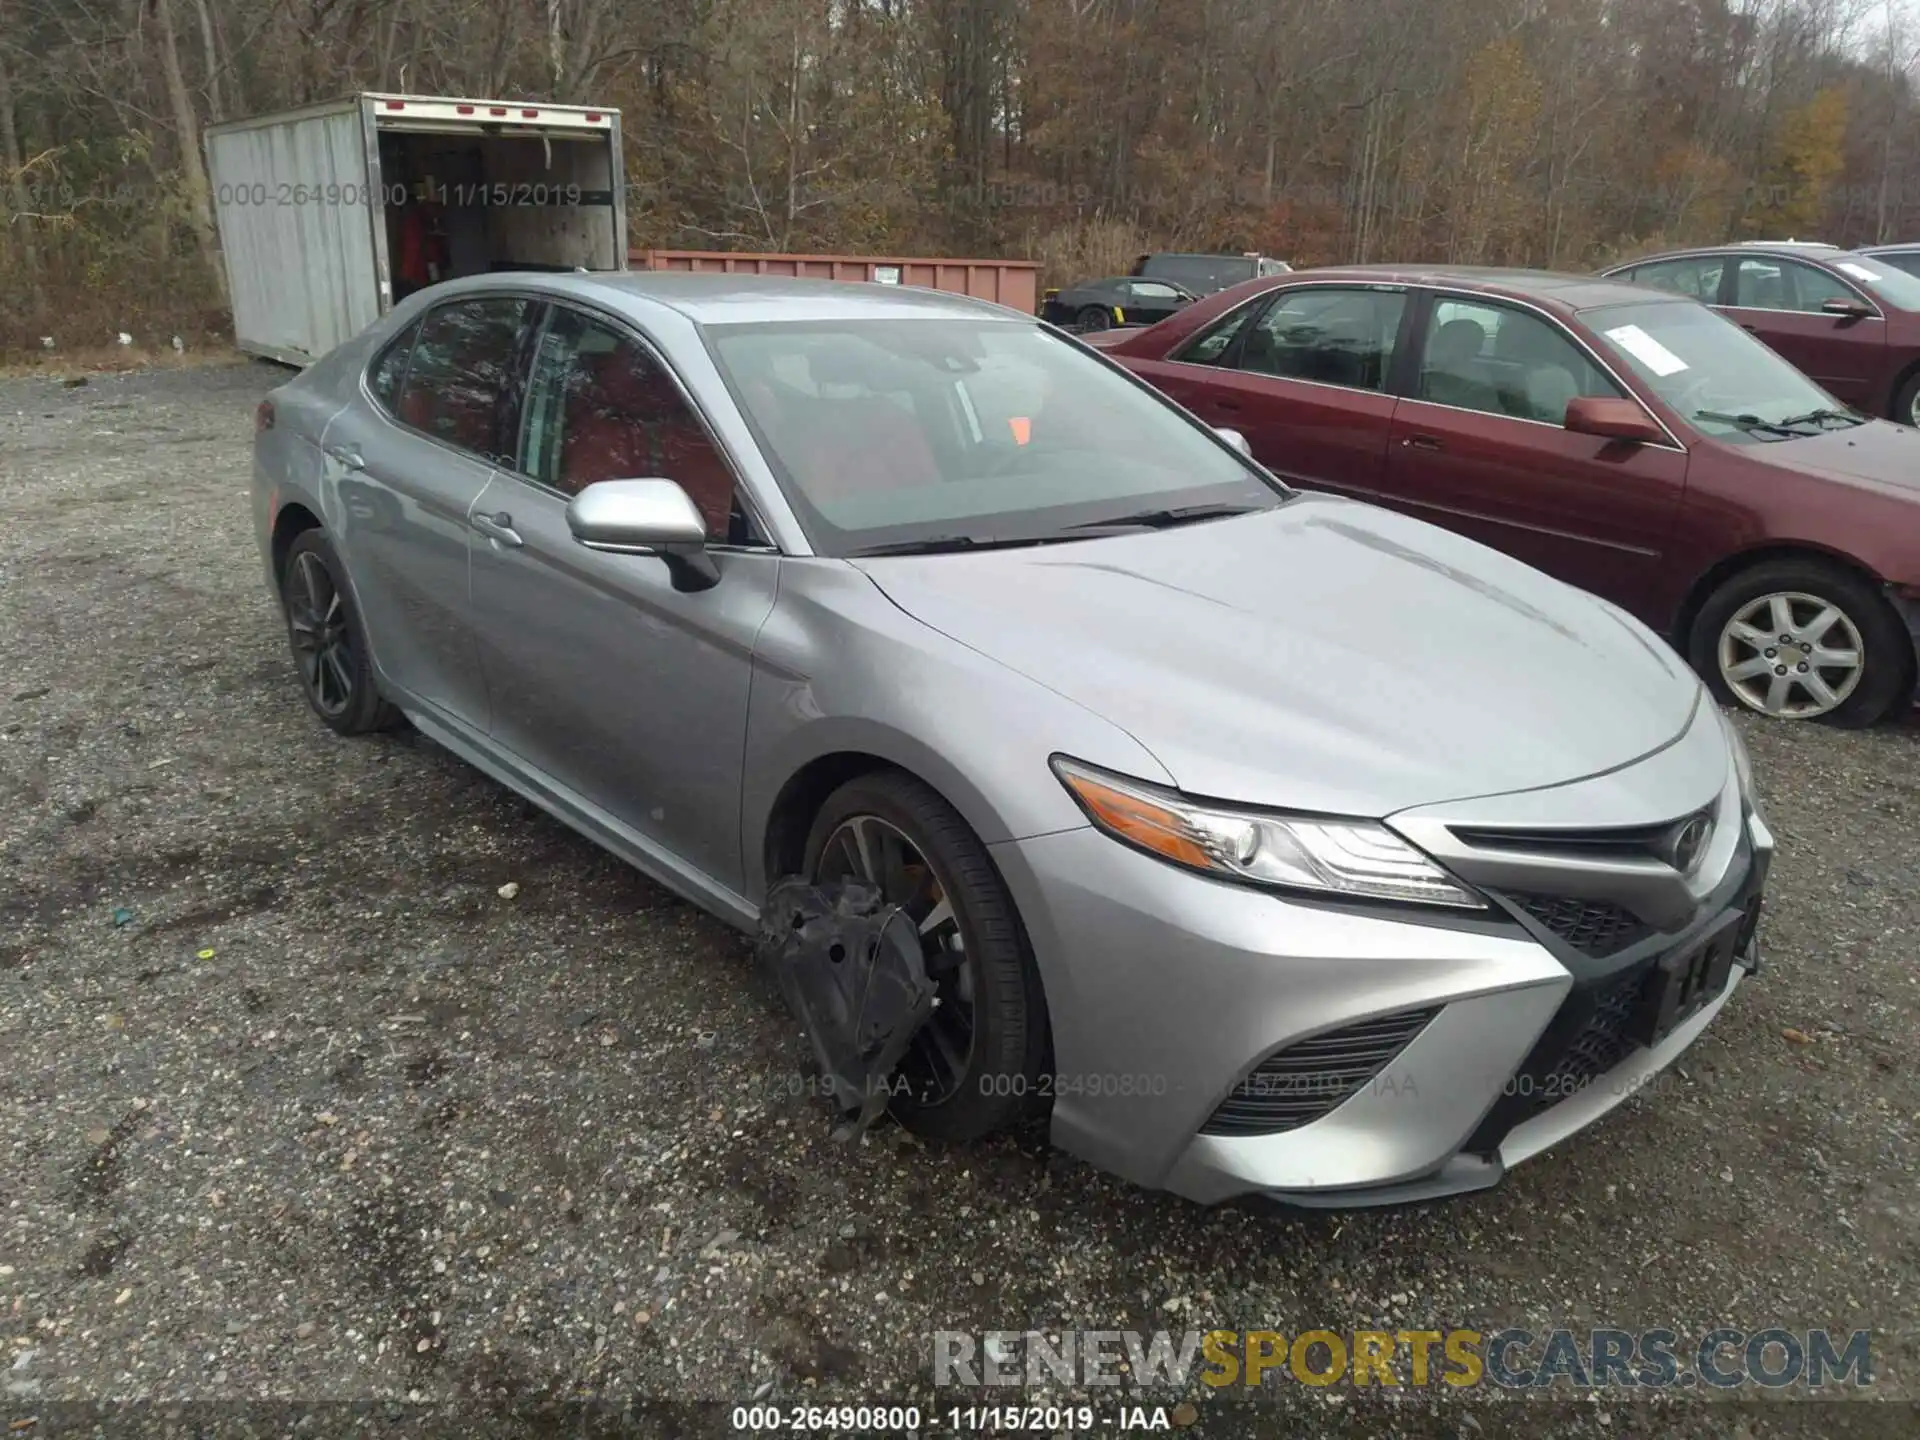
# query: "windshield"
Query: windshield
1882,279
884,432
1723,382
1201,273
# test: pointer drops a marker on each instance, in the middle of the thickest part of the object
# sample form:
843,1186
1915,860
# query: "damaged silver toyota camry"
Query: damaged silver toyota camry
1063,760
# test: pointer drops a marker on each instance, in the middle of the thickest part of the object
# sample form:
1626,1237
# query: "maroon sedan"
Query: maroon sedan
1627,440
1851,321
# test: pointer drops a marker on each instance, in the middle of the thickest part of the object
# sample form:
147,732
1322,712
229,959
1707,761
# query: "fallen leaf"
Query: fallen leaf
1796,1037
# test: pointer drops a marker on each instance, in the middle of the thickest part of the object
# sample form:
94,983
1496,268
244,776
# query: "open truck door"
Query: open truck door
330,214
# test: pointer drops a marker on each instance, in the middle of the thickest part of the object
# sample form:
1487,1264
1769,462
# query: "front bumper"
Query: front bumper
1169,993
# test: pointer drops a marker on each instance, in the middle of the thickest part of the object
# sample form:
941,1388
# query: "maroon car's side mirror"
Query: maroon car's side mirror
1853,309
1612,419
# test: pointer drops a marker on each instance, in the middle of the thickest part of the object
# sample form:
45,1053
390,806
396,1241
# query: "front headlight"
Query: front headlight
1359,858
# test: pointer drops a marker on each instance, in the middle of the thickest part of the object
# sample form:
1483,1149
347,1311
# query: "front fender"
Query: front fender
840,670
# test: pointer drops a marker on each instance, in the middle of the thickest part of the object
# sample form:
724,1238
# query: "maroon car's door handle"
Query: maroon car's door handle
1421,442
1750,329
1233,405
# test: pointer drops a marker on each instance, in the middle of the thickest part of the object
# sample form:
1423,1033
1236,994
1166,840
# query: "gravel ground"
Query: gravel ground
296,1106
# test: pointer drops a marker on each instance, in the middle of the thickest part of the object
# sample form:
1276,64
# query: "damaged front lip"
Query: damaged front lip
852,972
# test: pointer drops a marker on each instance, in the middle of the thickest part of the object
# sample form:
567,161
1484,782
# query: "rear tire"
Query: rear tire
329,645
999,1080
1823,611
1094,317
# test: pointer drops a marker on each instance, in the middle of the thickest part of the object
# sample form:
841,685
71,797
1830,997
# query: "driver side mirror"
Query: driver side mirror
646,517
1851,309
1612,418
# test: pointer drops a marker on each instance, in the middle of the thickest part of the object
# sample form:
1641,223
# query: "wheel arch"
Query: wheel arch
1900,382
783,838
799,800
293,520
1728,566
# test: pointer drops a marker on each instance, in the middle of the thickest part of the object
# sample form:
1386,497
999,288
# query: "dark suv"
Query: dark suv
1208,274
1850,321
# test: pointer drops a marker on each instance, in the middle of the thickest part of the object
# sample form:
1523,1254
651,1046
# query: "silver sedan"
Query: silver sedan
1264,841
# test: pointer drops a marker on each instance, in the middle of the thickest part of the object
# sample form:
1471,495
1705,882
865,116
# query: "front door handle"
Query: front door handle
1421,442
346,456
498,528
1231,405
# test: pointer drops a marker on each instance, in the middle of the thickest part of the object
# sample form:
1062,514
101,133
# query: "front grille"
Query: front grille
1604,1041
1310,1077
1593,927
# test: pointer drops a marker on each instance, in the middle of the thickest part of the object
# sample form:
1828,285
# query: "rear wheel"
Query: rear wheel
329,646
974,1067
1803,640
1095,317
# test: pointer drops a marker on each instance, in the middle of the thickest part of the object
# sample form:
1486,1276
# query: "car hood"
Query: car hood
1878,455
1323,656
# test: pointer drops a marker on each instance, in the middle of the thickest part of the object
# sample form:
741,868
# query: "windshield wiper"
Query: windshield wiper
1816,417
1750,423
944,545
1166,519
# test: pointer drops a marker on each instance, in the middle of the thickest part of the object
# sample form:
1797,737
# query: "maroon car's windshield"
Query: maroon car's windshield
1723,382
1881,278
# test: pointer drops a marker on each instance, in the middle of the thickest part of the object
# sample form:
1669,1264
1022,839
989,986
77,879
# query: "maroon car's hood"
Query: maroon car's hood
1878,455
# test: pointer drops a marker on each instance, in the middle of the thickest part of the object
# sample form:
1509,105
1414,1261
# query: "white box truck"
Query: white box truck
330,213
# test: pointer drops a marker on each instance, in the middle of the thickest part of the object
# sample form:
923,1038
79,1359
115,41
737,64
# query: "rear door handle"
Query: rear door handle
498,528
1422,442
1232,405
346,456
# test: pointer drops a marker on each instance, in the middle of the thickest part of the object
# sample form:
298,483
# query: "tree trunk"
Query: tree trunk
13,163
193,169
216,103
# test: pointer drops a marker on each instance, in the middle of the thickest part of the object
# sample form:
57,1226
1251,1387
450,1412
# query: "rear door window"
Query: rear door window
462,386
1697,275
1211,346
389,368
1326,334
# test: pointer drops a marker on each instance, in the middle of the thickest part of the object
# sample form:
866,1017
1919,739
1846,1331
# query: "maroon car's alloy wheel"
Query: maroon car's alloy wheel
1791,655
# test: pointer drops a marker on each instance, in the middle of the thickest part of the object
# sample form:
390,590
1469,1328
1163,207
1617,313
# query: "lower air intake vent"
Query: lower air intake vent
1594,927
1299,1084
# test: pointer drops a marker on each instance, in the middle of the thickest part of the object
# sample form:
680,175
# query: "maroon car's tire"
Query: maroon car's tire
1906,401
329,645
1000,1081
1736,644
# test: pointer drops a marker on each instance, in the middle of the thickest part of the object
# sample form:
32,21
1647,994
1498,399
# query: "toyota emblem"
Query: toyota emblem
1689,840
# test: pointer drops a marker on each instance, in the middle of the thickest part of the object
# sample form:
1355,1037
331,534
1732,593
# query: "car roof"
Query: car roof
713,298
1553,288
1783,249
